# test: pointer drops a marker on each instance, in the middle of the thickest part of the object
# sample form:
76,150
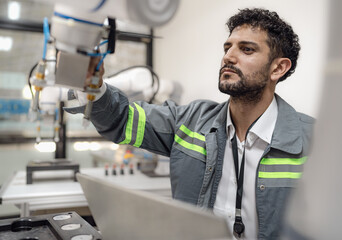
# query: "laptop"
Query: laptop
121,213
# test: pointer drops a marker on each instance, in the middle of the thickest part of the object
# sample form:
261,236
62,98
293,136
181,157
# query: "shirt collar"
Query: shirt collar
262,129
230,126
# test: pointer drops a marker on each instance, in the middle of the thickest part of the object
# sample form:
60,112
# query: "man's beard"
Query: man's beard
249,88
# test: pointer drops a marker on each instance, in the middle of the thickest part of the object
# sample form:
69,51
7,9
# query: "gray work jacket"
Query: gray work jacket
194,137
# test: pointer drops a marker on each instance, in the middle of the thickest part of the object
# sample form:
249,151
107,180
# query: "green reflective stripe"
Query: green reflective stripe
293,175
281,168
191,133
283,161
129,126
141,126
190,146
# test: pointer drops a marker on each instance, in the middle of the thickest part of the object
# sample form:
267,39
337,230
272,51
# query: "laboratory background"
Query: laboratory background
183,58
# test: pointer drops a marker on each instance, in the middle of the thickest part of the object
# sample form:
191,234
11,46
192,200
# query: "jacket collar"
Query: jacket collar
287,133
286,136
220,119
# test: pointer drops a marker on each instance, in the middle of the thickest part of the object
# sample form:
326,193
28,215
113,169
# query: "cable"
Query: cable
95,54
155,78
99,64
104,42
29,76
46,36
102,55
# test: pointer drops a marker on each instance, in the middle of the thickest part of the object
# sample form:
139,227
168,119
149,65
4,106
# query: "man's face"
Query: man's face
245,67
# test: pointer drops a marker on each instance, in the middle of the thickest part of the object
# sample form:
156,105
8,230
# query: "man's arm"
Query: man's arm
139,124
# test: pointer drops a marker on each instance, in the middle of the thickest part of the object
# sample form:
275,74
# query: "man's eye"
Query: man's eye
248,50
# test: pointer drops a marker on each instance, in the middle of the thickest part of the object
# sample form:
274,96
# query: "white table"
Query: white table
56,189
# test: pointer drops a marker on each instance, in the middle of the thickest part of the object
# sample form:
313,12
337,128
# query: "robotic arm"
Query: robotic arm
141,83
78,27
77,31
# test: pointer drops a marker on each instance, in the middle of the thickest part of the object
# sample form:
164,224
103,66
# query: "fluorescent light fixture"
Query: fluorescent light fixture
6,43
94,146
81,146
13,10
87,146
45,146
114,146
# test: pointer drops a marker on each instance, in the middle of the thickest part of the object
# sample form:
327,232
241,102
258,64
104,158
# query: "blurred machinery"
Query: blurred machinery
47,99
68,225
78,29
81,30
137,82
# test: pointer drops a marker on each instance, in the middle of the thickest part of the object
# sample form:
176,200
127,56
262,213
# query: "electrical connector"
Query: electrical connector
94,83
56,137
38,137
38,81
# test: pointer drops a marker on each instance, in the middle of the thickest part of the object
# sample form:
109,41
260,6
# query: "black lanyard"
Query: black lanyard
239,227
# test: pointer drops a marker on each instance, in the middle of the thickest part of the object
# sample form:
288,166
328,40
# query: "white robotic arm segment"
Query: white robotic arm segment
137,83
50,98
146,12
134,81
80,23
137,79
77,28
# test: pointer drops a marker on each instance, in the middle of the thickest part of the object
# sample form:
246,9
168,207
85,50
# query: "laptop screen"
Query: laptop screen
122,213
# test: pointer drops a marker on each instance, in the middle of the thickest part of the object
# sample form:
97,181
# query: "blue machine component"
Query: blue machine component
46,36
14,106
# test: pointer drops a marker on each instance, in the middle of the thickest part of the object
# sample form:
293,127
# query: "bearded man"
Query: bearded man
240,158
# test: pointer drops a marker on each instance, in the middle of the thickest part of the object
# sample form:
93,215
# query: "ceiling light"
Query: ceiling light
94,146
13,10
6,43
45,146
81,146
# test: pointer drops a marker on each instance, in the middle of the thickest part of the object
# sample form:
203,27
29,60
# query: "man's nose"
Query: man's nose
230,57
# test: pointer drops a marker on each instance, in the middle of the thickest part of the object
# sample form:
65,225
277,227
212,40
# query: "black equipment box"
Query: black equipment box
59,226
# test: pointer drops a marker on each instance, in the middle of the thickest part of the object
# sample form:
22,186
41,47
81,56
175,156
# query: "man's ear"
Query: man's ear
280,66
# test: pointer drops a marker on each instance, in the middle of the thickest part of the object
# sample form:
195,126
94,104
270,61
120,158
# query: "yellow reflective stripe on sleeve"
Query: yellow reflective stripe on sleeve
283,161
190,146
129,126
293,175
141,126
191,133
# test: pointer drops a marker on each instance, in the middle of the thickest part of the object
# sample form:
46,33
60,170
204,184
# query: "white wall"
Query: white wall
192,47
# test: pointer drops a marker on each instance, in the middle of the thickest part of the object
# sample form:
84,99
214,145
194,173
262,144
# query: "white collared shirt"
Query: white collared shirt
258,138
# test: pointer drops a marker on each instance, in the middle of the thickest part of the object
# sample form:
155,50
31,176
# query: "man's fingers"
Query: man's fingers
94,61
93,64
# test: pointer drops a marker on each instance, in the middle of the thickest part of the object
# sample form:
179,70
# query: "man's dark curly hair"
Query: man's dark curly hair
282,40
